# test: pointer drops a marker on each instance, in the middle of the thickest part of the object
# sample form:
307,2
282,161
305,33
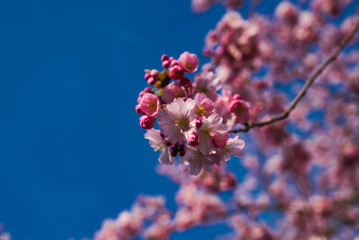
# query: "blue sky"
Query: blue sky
71,150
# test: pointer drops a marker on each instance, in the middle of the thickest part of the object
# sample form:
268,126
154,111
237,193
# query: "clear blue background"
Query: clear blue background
71,150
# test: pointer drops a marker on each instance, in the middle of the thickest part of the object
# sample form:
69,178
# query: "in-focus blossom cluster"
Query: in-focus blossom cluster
189,116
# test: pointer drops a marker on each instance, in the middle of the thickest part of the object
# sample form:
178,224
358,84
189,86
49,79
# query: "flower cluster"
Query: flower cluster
189,118
234,47
150,213
129,223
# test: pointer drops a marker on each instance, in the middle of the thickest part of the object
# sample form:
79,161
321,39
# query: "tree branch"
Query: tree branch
303,91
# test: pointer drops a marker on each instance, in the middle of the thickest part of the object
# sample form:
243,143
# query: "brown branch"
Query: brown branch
303,91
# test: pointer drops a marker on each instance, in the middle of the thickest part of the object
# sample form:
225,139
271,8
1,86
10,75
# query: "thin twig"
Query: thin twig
305,88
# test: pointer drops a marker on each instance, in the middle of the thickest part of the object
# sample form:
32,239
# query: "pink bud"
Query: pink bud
176,73
151,81
147,122
154,73
147,76
193,139
174,63
164,57
198,122
185,81
174,151
166,64
181,150
189,62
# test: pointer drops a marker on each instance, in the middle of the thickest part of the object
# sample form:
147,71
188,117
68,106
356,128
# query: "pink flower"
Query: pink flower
189,62
172,91
204,106
207,83
150,104
219,140
175,120
212,128
157,143
196,160
234,147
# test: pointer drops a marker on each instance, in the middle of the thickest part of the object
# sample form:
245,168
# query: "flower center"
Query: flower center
200,110
181,123
152,106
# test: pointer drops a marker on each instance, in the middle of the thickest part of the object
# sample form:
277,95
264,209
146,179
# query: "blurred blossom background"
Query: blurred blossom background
71,149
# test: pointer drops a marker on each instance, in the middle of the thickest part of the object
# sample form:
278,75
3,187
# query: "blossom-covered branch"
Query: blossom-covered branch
303,91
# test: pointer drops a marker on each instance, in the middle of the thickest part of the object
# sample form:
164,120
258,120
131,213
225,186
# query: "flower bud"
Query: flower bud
174,63
174,150
164,57
147,76
193,139
198,123
181,150
154,73
166,64
189,62
176,73
147,122
185,81
151,81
